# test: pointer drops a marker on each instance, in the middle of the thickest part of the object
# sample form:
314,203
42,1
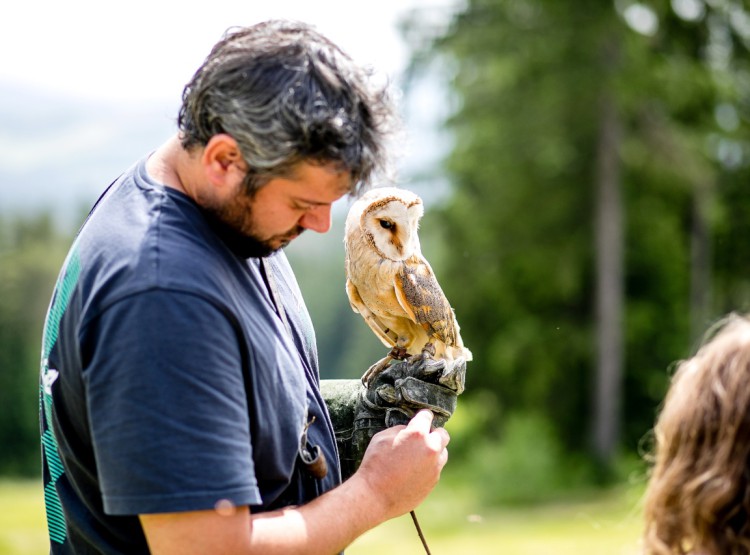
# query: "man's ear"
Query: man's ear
222,161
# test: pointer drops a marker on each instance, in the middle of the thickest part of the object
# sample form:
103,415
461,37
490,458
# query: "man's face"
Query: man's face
284,207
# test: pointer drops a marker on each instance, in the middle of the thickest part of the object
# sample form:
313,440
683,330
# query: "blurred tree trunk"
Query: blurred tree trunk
609,237
602,130
700,262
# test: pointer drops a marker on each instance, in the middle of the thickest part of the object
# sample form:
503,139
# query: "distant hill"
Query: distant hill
59,152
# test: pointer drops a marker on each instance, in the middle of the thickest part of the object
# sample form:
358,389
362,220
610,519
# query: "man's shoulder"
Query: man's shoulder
139,239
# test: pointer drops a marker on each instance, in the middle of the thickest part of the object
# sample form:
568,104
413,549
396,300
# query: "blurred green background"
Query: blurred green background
587,214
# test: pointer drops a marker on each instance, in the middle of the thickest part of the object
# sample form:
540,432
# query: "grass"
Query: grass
23,527
602,523
596,524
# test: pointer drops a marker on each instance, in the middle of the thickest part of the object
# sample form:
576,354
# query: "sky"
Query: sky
144,50
93,86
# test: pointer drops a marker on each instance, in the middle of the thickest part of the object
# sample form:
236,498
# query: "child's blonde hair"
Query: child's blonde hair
698,498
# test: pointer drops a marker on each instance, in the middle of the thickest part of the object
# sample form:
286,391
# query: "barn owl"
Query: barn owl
392,286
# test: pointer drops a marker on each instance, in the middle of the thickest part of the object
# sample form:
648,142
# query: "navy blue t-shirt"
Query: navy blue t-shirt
169,381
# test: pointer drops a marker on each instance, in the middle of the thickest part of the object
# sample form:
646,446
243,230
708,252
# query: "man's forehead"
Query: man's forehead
335,171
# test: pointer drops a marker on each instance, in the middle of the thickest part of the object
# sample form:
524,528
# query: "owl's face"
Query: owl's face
390,220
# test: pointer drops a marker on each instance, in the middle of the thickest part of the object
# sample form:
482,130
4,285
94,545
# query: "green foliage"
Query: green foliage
524,130
518,458
30,256
528,78
732,249
529,448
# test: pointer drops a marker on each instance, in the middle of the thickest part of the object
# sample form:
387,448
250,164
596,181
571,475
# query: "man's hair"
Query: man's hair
698,498
287,94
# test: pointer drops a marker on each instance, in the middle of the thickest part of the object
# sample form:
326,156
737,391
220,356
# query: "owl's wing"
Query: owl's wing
385,335
419,294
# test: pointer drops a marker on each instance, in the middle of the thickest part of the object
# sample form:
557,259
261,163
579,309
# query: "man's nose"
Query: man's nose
317,218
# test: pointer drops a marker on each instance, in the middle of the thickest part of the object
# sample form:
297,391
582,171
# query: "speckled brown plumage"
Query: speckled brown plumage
390,283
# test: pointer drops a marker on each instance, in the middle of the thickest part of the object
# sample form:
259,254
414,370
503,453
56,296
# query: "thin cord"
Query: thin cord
419,531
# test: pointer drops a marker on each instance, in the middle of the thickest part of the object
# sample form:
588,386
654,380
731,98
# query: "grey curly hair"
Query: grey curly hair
287,94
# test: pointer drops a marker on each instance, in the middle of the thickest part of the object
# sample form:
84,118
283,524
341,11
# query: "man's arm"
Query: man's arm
401,466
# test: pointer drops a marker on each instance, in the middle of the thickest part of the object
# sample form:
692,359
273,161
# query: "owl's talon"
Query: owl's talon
375,370
398,353
431,368
415,359
428,350
455,376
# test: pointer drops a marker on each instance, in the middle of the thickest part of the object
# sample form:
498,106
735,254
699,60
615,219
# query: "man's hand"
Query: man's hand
392,398
400,468
402,464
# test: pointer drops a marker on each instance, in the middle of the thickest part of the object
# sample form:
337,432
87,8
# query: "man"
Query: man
181,411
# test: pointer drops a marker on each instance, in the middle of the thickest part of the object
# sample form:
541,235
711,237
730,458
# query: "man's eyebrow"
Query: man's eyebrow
312,202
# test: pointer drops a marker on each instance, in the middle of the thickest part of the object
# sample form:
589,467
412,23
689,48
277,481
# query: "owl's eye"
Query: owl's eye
385,224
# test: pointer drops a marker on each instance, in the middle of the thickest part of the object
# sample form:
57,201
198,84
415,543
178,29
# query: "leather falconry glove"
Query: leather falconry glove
393,397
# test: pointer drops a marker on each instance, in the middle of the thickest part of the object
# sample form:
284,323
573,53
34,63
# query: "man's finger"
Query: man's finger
422,421
443,435
438,440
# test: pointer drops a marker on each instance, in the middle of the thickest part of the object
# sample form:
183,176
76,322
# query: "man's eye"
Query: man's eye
385,224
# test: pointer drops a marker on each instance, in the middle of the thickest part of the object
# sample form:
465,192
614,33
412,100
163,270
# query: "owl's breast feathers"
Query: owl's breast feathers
419,293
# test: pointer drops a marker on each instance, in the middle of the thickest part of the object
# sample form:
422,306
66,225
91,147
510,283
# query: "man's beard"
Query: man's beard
233,223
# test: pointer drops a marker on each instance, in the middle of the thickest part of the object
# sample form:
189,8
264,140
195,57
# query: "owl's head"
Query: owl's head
388,217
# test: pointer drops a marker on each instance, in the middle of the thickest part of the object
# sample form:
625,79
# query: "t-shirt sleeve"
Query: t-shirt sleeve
167,406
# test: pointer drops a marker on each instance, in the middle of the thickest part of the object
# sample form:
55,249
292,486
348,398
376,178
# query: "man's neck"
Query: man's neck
170,164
